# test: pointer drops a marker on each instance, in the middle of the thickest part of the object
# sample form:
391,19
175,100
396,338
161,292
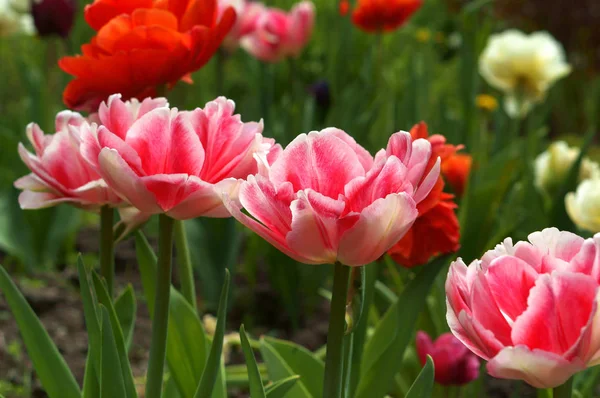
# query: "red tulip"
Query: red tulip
324,199
53,17
142,45
174,162
383,15
530,309
278,34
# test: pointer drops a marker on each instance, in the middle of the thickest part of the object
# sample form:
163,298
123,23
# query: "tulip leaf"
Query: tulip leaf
385,349
285,359
105,300
280,388
187,343
91,313
423,385
112,384
126,308
254,380
50,366
213,363
91,387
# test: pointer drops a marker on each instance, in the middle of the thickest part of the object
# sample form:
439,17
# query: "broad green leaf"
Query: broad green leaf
255,381
423,385
384,350
280,388
112,384
170,390
91,314
91,387
213,363
50,366
126,308
105,300
187,342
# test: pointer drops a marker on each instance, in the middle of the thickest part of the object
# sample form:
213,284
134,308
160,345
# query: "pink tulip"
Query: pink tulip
324,199
454,363
174,162
59,172
278,34
248,13
530,309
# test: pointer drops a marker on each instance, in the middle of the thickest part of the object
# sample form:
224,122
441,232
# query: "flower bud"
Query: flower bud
454,363
53,17
583,205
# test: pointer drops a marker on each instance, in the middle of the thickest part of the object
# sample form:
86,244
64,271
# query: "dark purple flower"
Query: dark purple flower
53,17
321,93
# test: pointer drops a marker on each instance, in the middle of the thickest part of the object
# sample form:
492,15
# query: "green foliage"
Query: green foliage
423,385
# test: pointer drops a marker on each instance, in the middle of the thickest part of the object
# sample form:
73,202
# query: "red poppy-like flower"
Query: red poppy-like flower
436,229
456,171
141,45
383,15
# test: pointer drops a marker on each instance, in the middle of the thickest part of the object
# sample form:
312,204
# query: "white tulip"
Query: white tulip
552,167
523,67
583,206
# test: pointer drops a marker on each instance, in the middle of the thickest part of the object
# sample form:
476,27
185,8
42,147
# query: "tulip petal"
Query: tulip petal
30,200
202,199
560,244
380,226
541,369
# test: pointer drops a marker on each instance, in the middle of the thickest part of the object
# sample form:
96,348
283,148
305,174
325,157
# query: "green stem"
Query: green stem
221,57
564,390
184,263
332,387
154,377
107,248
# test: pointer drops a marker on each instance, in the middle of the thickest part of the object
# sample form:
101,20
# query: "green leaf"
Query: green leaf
384,350
280,388
126,308
91,314
50,366
112,384
187,344
285,359
255,381
105,300
91,387
213,363
423,385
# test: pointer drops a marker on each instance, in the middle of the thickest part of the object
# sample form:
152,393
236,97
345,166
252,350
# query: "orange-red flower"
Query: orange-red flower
141,45
383,15
456,171
436,229
344,7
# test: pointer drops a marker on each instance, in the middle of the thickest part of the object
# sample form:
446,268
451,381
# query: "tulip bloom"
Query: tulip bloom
383,15
53,17
436,230
530,309
59,172
174,162
582,205
454,363
324,199
278,34
142,45
248,13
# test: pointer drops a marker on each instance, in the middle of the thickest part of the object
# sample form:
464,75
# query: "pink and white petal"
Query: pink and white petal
428,182
202,199
400,145
560,306
130,220
114,114
168,189
67,118
98,192
540,369
30,200
147,105
37,138
479,340
62,161
125,182
267,203
31,182
364,156
561,244
486,312
107,139
314,230
89,146
320,161
186,154
271,236
380,226
418,161
587,261
501,249
34,164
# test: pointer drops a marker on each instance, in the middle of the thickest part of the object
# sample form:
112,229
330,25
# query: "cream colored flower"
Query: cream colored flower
583,206
12,21
523,67
553,165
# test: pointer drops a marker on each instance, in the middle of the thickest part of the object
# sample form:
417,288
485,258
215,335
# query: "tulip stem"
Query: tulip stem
107,248
154,377
564,390
184,263
332,387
